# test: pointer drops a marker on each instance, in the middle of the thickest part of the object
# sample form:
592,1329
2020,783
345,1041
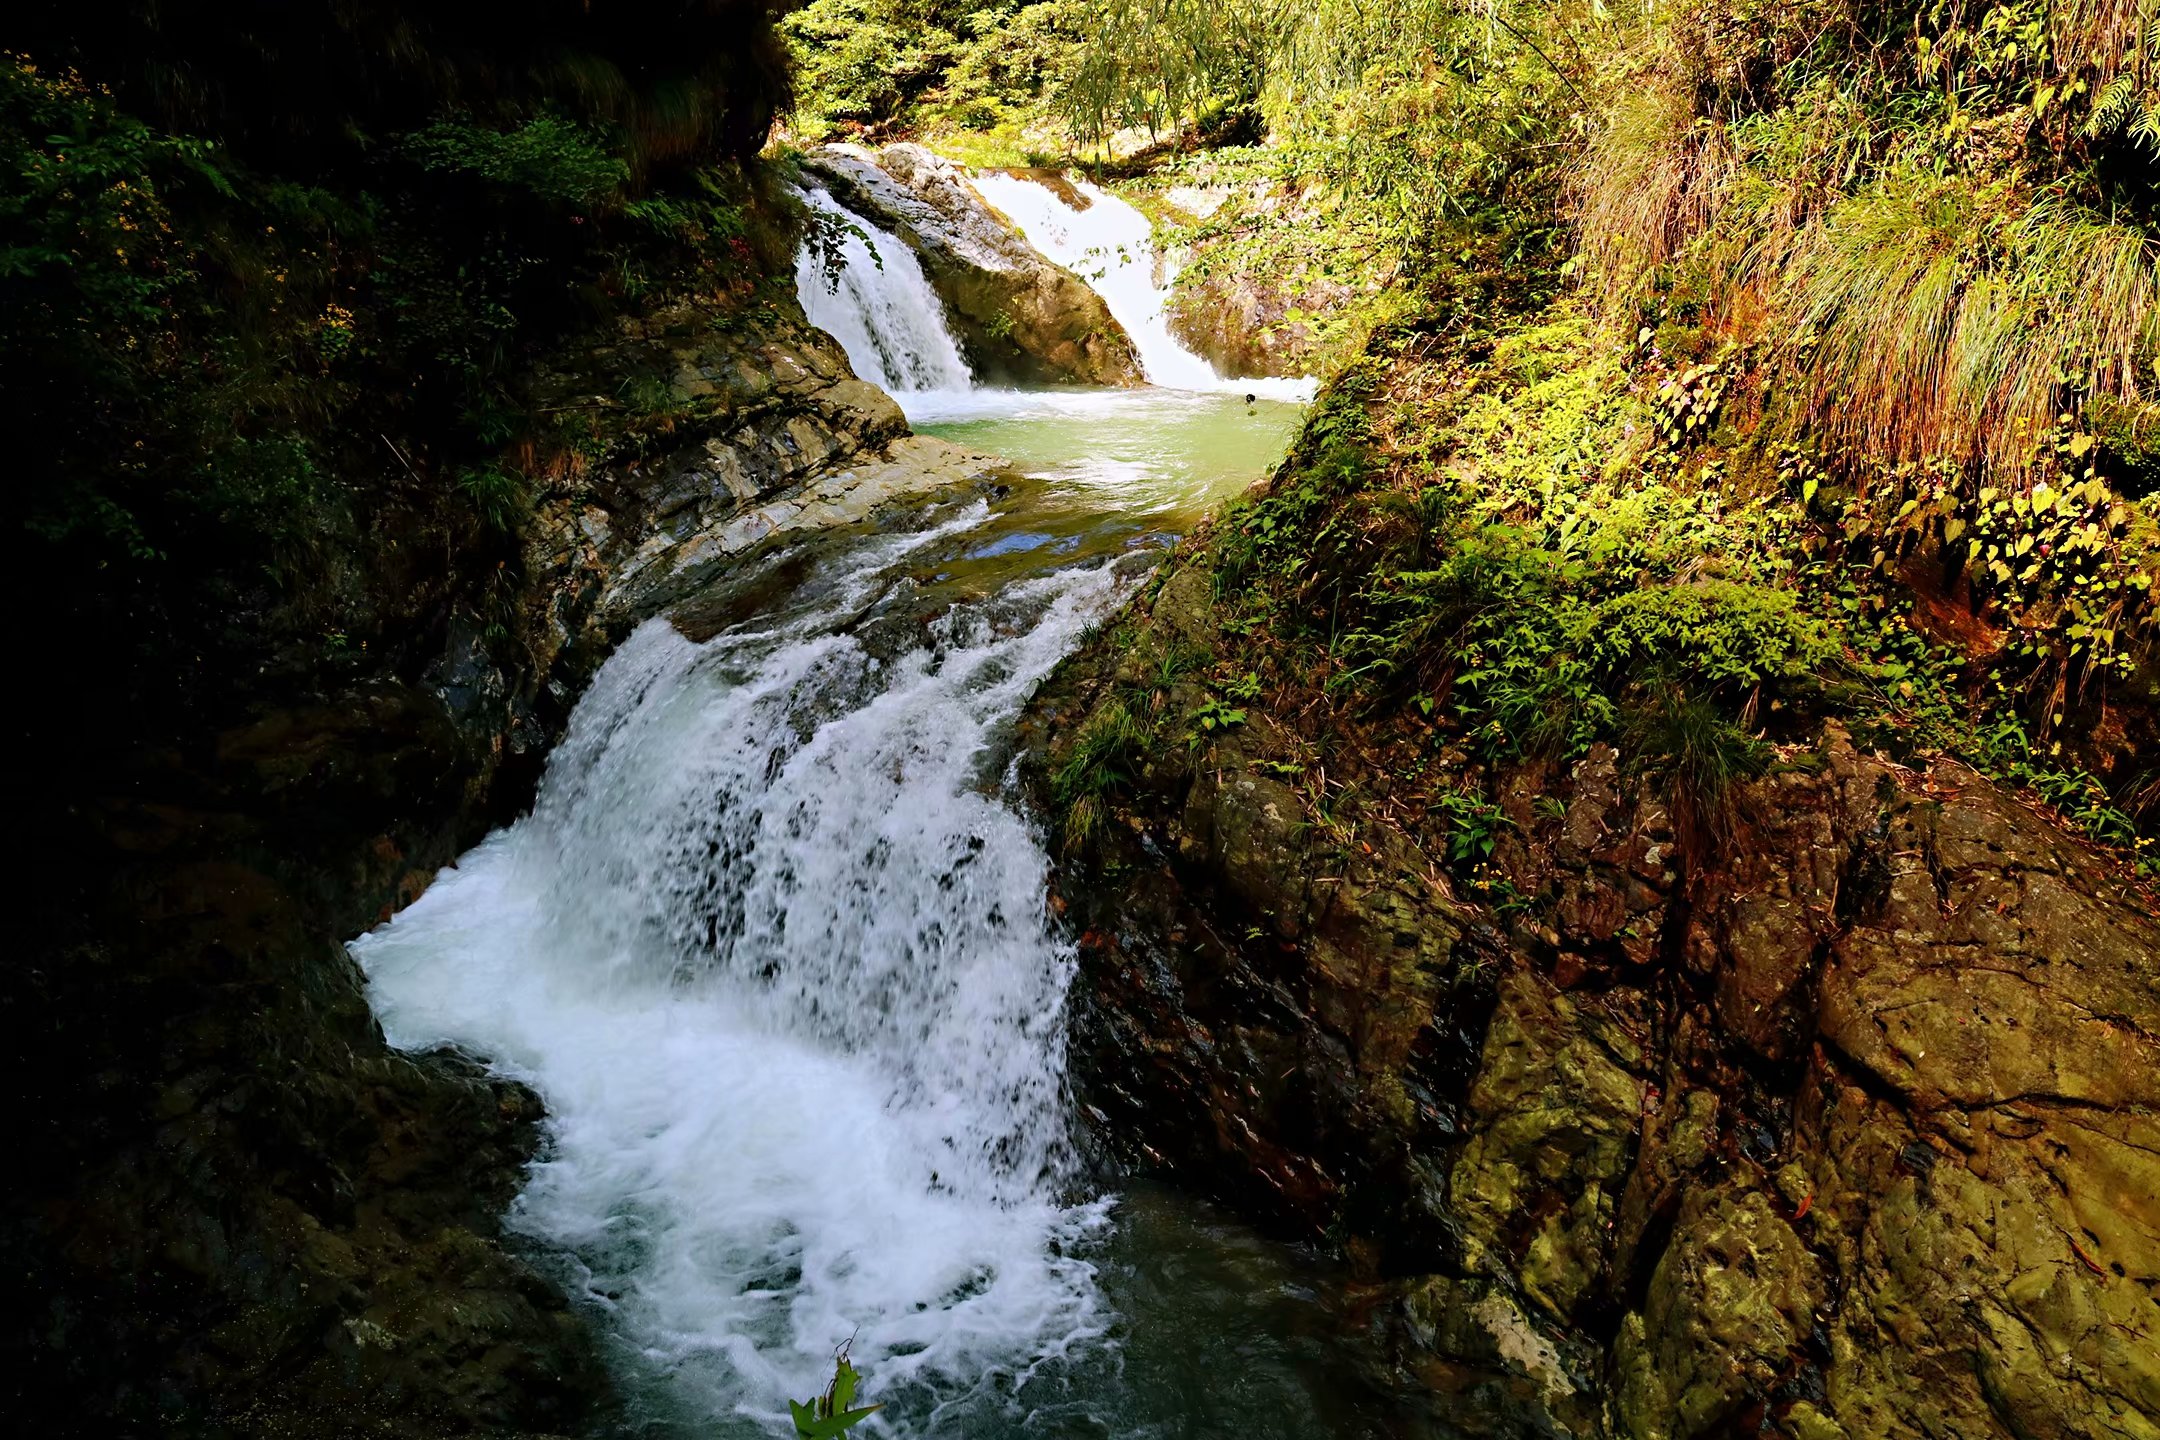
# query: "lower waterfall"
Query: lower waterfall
774,945
778,954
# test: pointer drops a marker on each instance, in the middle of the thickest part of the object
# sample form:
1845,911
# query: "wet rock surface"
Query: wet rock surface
1845,1121
235,1210
1020,316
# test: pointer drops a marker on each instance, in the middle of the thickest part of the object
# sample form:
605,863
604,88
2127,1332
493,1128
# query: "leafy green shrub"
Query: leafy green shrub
553,159
1473,824
1711,632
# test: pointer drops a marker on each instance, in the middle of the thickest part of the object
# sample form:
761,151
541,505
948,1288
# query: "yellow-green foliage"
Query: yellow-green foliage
1945,216
1533,557
2067,566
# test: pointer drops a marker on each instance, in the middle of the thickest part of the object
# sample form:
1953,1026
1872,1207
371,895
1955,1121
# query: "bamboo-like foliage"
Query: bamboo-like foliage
1155,65
1416,114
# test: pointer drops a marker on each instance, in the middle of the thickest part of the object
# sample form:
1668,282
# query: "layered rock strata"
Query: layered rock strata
236,1211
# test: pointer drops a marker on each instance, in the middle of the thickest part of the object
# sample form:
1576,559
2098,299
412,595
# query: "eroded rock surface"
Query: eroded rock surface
1844,1121
1019,315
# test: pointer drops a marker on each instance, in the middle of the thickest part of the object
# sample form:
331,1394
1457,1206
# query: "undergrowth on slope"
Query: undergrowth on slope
1487,544
263,310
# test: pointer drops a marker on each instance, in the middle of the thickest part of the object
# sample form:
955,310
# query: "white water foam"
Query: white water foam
882,310
1111,245
776,953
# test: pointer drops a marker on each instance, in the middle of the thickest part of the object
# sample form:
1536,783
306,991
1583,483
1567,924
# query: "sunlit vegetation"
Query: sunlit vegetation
1788,357
1737,367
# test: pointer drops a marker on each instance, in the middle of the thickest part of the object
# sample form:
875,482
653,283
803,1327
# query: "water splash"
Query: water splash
882,310
776,951
1111,245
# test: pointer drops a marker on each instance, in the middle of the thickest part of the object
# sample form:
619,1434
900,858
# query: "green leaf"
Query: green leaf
825,1427
842,1394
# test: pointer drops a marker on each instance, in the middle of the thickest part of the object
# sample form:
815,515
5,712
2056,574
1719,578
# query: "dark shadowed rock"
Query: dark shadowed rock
235,1211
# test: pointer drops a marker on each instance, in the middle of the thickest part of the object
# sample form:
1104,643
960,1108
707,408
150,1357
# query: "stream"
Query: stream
774,945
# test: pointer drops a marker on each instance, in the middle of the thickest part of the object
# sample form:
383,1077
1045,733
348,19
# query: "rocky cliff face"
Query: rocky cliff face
1839,1121
235,1211
1019,316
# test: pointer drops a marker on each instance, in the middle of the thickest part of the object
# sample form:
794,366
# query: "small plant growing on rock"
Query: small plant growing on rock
1103,759
1212,717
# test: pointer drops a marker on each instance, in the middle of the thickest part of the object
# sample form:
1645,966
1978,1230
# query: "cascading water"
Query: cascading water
1111,245
783,971
881,309
773,945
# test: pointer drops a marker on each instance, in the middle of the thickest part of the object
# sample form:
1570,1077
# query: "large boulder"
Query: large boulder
1840,1122
1019,316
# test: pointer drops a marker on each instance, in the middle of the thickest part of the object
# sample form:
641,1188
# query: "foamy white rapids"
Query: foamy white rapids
882,310
1111,246
774,949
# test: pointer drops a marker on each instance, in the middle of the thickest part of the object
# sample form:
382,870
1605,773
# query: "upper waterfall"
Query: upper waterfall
882,310
1111,245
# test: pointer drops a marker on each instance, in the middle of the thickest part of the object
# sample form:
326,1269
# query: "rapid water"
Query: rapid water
776,953
773,944
881,309
1111,245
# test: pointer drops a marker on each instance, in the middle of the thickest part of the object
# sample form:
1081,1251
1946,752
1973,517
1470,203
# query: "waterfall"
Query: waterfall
892,325
881,309
1111,245
777,951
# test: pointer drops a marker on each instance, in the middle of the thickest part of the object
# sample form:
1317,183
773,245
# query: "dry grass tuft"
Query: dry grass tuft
1652,181
1936,317
2106,35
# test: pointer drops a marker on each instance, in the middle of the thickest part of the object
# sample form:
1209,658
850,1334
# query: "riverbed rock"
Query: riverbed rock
1020,316
1553,1114
1729,1307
